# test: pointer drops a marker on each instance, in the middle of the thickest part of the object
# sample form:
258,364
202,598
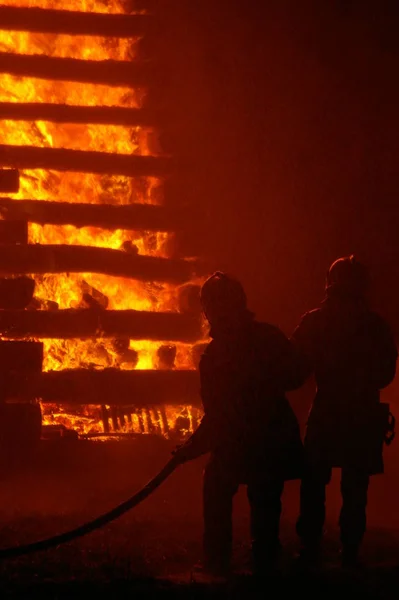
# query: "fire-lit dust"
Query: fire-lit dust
66,290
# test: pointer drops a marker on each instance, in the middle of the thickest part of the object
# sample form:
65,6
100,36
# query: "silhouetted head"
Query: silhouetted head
223,300
348,277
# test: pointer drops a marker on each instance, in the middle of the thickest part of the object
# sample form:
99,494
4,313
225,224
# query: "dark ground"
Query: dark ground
151,550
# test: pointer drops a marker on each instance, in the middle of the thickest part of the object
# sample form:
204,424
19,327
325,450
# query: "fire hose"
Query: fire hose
100,521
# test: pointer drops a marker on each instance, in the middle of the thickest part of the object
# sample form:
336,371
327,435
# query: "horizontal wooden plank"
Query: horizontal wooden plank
9,181
64,113
89,323
36,259
106,216
105,72
138,388
73,22
16,293
59,159
14,231
20,356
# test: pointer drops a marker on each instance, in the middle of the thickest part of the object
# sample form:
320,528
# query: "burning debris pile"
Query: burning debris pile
86,237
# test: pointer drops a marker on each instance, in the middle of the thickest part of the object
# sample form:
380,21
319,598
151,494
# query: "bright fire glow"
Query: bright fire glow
101,138
104,354
68,46
31,89
66,289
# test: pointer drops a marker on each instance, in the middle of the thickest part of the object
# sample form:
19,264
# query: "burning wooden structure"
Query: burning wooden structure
91,278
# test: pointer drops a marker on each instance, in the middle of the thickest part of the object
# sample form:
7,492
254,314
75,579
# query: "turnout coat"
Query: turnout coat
248,425
352,354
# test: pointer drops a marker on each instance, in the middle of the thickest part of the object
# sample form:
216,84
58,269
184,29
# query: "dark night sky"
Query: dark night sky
287,113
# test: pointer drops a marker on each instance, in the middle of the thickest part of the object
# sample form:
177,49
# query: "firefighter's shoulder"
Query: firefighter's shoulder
309,321
264,329
269,335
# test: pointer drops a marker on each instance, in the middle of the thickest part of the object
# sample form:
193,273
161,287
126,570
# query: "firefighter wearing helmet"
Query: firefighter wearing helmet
248,427
351,353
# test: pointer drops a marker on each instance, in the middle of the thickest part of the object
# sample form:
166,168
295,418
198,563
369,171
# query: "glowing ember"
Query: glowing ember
66,289
170,422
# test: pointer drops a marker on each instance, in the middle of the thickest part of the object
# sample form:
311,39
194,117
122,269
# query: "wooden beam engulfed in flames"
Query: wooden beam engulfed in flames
105,216
105,72
19,18
89,323
91,193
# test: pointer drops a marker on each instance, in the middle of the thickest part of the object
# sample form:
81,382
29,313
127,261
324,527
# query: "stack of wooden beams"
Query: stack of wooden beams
18,257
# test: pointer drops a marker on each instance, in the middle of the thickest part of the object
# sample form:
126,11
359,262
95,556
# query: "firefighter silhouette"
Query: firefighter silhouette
351,353
248,427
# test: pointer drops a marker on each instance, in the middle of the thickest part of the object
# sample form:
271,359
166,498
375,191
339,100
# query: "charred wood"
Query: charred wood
126,355
105,418
59,159
20,426
93,298
141,422
20,357
9,181
164,420
114,418
112,387
73,22
158,423
13,232
36,258
16,293
166,356
42,304
91,302
149,325
63,113
122,418
48,324
105,72
129,419
86,323
106,216
150,424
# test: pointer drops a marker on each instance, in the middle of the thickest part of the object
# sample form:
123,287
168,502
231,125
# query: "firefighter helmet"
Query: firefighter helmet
348,273
222,293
